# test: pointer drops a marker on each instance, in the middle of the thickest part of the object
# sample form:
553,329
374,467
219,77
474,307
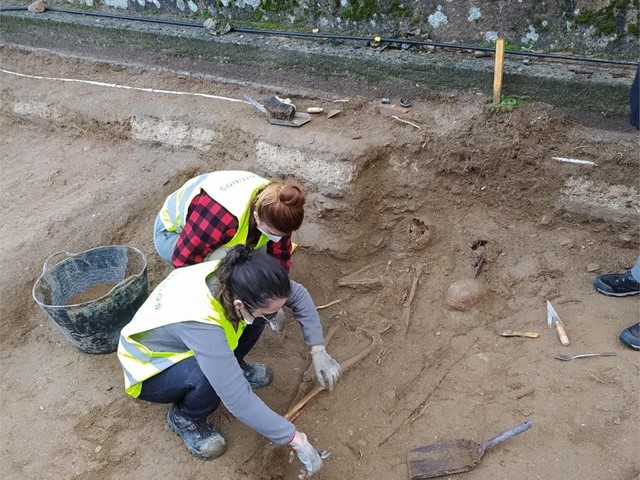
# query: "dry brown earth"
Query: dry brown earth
485,181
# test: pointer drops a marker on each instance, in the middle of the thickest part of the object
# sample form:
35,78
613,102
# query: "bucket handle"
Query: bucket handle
46,266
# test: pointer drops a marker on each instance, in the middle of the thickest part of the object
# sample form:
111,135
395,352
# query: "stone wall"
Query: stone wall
606,27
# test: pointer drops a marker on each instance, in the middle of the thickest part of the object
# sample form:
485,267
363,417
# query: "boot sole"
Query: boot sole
611,294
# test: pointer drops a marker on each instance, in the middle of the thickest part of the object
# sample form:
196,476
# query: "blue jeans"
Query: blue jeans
185,385
635,271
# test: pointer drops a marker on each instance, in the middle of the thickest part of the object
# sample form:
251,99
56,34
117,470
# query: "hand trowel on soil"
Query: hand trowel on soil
298,119
454,456
554,318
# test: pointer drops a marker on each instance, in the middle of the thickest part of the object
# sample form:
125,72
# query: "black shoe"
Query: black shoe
617,285
257,374
631,336
200,437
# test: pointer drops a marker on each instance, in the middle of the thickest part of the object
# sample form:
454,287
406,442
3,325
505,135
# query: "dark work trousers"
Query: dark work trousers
185,385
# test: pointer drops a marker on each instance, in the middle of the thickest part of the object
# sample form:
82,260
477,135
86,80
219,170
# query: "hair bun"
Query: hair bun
292,196
238,254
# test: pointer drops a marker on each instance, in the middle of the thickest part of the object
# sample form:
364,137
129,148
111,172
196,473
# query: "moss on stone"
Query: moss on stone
632,28
604,19
278,6
398,9
361,10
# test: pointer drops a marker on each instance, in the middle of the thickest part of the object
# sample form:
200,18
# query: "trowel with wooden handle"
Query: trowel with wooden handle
554,318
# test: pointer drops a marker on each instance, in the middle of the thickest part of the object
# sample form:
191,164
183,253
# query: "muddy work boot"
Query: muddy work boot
200,437
279,109
257,374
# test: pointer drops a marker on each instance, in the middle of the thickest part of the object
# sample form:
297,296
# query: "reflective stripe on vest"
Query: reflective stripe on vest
182,297
233,189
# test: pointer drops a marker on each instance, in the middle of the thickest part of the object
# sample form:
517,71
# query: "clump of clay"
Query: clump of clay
464,294
420,233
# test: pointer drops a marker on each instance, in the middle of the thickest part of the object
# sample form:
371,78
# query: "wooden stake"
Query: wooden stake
497,76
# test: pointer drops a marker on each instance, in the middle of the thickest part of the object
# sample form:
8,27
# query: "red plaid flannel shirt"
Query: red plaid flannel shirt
209,226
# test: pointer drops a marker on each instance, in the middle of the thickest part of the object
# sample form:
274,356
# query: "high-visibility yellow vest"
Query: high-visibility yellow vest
233,189
183,296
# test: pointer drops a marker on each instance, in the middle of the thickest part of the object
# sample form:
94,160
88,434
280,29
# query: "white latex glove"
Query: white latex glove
307,454
327,369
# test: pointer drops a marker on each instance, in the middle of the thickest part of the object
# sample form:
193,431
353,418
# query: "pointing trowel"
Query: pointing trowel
554,318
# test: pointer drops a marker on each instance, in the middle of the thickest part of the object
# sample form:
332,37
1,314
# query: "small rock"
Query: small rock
545,220
526,61
593,267
37,7
216,27
617,421
464,294
98,448
566,242
625,237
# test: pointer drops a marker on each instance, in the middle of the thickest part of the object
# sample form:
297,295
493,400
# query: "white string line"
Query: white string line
125,87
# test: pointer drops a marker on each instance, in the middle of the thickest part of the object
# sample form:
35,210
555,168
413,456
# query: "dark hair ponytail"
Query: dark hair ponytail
254,278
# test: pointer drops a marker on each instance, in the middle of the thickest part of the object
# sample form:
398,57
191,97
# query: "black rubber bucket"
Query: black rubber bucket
93,325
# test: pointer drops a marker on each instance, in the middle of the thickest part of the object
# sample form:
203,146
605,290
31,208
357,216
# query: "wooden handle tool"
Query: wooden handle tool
511,333
554,318
562,333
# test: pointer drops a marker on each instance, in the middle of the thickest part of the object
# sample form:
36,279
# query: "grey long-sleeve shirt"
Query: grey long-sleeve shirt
218,363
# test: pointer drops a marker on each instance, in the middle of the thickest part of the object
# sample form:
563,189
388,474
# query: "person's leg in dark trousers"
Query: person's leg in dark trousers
193,400
185,385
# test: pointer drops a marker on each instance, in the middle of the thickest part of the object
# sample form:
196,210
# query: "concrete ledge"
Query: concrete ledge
322,64
331,175
615,203
171,132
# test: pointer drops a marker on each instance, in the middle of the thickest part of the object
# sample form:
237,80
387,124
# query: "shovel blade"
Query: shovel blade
439,459
298,120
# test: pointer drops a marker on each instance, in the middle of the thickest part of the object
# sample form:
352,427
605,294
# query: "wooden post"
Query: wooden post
497,76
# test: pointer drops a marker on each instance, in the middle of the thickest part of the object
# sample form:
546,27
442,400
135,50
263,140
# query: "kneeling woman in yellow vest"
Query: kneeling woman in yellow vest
215,211
187,343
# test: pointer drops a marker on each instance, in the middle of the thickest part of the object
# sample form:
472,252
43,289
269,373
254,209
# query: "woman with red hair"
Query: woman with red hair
215,211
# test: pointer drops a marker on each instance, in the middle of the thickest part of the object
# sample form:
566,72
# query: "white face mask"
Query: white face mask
270,236
241,314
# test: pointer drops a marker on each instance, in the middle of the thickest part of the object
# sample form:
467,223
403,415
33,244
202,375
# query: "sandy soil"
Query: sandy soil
484,181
